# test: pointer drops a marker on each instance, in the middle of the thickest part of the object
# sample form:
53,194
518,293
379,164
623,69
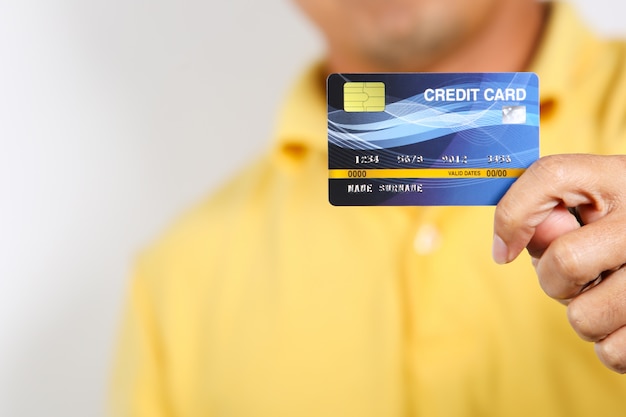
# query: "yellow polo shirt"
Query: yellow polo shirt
265,300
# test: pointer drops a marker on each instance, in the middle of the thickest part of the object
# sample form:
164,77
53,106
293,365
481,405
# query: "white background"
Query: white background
115,116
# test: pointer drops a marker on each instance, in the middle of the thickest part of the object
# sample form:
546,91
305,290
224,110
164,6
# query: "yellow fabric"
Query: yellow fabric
265,300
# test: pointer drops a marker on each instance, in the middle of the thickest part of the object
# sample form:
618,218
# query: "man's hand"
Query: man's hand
581,266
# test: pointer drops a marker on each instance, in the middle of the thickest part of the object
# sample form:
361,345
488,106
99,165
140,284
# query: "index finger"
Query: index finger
568,180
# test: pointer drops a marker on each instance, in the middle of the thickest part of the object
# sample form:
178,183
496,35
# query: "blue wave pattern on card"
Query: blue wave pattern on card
451,126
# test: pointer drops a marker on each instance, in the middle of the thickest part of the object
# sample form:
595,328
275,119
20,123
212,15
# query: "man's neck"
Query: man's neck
508,43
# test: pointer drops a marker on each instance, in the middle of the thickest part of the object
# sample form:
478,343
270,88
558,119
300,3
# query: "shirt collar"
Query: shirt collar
302,120
567,49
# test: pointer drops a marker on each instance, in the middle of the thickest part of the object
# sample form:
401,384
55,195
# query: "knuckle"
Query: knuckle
568,270
619,161
550,168
578,316
505,218
612,354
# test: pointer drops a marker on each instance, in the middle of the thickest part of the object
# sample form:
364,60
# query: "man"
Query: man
265,300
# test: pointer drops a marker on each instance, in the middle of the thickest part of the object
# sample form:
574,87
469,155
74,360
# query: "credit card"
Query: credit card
427,139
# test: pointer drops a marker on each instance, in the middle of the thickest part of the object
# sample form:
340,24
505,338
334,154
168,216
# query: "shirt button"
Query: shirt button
427,239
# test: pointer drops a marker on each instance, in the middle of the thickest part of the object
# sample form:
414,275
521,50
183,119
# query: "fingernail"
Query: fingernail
499,250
